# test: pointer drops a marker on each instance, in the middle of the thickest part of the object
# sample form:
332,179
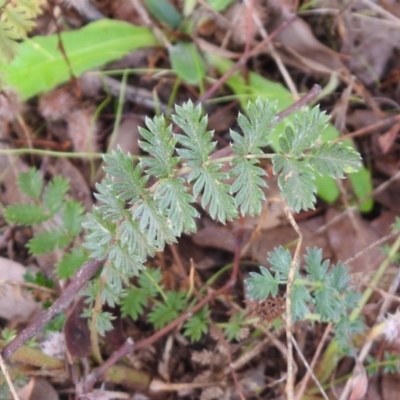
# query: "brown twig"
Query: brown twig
243,60
80,279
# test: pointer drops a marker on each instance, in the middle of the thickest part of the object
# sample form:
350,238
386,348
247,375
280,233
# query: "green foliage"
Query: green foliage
168,310
255,85
187,62
136,219
59,219
234,328
40,66
326,290
164,307
17,19
197,325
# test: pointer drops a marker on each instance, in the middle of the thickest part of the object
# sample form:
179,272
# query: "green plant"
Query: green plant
144,206
16,20
137,219
57,221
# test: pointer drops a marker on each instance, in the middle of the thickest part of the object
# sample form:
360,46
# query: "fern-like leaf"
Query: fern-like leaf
333,159
248,185
172,196
296,182
160,144
256,128
197,142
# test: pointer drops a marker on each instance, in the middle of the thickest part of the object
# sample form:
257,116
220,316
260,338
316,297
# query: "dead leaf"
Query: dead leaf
38,389
16,303
359,382
76,332
346,240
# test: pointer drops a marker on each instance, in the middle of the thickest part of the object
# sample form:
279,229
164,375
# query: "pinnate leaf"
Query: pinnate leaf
160,144
333,159
247,186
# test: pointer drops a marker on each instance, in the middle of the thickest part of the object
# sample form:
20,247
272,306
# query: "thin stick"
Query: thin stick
8,379
310,373
242,61
291,276
309,370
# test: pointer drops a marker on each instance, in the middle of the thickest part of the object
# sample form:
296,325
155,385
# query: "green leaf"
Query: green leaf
99,236
300,298
172,196
154,223
234,328
187,62
31,183
280,260
314,266
40,66
165,12
133,303
308,126
71,262
55,193
135,239
219,5
72,218
197,141
328,303
333,159
295,182
196,326
260,286
47,241
247,186
25,214
253,86
149,280
339,277
163,313
208,181
130,182
160,144
256,128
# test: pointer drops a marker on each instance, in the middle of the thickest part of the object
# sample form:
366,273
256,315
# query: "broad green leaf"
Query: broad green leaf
165,12
72,217
40,66
254,86
187,62
163,313
219,5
